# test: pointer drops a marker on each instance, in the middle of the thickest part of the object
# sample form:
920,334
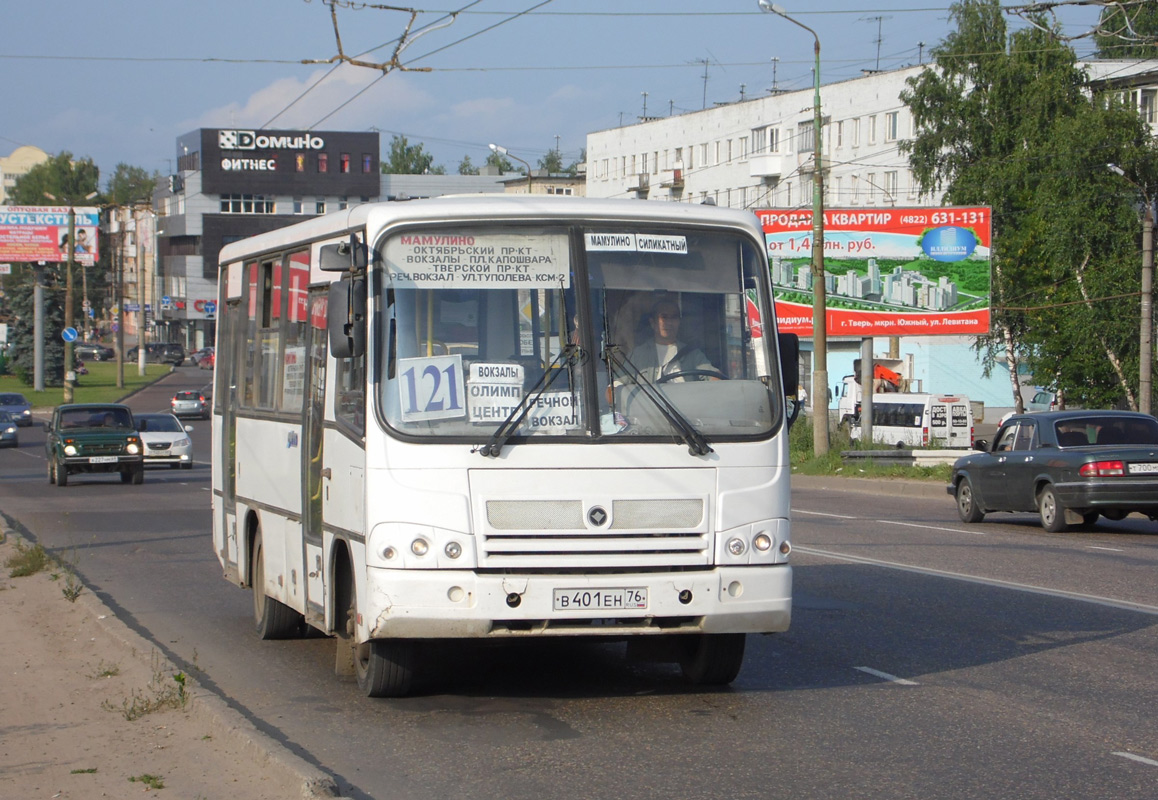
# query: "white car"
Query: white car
166,440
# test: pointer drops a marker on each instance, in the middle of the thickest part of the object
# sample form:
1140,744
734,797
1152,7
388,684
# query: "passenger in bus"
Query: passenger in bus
666,353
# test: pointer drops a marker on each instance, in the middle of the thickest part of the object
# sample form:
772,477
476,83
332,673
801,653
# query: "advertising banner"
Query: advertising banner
40,233
887,271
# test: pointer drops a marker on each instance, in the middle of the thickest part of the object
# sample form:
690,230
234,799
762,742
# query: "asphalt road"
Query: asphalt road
927,658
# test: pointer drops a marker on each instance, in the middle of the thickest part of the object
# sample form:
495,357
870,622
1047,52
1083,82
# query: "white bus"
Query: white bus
433,420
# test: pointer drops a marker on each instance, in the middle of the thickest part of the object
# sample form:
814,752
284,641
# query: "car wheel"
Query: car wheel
713,659
272,619
138,476
174,466
1053,513
187,465
967,508
1089,518
126,476
51,472
61,474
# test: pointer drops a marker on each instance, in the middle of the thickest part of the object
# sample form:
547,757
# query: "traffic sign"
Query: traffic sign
68,334
210,306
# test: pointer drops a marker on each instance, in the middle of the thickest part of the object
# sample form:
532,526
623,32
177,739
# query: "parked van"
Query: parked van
918,420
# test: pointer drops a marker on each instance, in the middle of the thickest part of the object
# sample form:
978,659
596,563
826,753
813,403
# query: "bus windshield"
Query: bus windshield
606,331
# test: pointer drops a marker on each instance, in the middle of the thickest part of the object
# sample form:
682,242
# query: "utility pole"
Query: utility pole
1146,341
644,117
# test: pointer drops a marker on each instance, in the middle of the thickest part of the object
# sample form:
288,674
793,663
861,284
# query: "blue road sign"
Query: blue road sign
68,334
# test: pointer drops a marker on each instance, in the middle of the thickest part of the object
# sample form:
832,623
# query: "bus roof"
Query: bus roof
484,207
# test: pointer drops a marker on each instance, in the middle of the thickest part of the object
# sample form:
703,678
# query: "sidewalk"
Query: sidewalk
69,671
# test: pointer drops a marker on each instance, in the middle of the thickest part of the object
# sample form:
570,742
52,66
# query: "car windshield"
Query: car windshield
12,400
96,418
161,423
1106,431
5,417
187,396
547,331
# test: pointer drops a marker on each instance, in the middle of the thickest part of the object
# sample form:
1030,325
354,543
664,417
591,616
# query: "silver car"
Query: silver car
166,440
190,404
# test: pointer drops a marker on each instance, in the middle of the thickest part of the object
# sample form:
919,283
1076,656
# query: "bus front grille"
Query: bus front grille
637,533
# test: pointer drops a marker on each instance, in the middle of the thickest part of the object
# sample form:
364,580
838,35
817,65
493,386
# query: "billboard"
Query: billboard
887,271
40,233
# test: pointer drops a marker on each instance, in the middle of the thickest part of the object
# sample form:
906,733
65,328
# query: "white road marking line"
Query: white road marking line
927,527
1111,549
822,514
1139,759
886,676
1124,605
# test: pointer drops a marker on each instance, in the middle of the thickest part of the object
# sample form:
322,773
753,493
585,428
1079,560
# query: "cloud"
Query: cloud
483,108
348,98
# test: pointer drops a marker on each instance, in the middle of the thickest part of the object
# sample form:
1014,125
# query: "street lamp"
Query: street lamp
819,298
69,370
1145,338
502,151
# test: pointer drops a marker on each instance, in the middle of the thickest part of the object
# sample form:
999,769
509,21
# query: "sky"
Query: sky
119,81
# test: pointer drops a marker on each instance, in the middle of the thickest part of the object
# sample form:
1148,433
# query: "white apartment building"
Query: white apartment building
758,153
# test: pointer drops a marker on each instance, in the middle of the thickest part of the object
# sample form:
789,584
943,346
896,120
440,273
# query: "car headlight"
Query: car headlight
10,429
132,448
70,450
182,442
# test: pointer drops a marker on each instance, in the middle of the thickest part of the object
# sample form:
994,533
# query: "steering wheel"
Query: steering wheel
710,372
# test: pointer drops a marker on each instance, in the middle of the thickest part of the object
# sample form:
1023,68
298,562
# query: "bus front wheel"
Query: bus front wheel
713,659
385,667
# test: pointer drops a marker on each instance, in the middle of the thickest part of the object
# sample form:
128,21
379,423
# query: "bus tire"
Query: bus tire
385,667
713,659
272,619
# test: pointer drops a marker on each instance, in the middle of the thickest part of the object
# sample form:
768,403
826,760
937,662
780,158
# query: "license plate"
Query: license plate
102,460
1145,468
600,599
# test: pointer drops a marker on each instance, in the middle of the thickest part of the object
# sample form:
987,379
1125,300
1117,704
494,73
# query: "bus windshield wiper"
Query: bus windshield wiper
570,353
697,443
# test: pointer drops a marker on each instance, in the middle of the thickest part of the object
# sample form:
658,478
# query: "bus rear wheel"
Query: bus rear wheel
272,619
386,667
713,659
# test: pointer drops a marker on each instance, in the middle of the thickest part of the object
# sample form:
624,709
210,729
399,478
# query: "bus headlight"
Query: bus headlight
736,546
402,545
762,542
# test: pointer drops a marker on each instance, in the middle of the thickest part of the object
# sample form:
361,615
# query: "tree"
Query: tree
59,176
1009,121
130,185
496,159
407,159
465,167
22,353
552,162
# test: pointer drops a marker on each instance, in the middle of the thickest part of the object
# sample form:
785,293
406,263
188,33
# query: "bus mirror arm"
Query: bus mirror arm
346,318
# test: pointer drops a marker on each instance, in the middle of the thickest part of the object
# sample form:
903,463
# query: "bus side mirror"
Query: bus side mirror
346,318
343,256
789,361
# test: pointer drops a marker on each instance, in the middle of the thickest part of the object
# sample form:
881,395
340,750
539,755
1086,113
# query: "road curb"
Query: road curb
901,487
205,705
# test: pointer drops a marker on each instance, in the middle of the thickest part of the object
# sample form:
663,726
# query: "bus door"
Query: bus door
225,399
313,419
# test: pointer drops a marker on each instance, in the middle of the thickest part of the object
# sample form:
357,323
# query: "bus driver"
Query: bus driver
666,354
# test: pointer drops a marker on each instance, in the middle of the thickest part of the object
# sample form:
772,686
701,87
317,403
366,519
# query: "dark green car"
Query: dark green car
93,438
